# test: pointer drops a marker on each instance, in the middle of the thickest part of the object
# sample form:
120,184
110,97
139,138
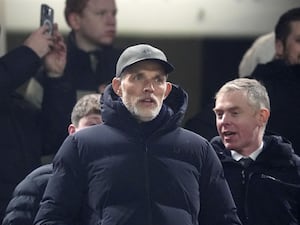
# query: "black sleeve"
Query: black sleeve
58,101
16,67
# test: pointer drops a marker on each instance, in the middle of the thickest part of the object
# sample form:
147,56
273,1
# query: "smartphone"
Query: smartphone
47,16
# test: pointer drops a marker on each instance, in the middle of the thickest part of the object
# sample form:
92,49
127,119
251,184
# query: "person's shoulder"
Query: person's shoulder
21,52
40,171
90,134
269,71
280,146
26,197
44,169
88,130
195,144
261,51
265,39
192,134
217,144
283,149
216,139
33,181
195,139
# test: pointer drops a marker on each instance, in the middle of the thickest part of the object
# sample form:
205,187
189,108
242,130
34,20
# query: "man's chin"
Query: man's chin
146,117
106,41
229,145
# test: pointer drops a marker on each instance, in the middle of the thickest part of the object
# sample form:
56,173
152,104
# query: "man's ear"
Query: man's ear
279,49
168,89
74,20
264,115
71,129
116,85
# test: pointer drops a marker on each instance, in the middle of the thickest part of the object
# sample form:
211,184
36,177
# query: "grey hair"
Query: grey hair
256,92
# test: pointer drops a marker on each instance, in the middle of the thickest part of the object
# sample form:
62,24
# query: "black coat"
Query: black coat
20,129
283,85
268,191
129,173
23,206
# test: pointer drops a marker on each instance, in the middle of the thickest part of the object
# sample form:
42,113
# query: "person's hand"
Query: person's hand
39,41
55,60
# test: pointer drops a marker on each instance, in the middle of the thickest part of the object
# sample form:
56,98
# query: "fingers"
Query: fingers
55,27
44,30
42,42
55,30
58,39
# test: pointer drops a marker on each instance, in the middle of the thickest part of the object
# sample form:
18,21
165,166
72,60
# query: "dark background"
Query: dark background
202,65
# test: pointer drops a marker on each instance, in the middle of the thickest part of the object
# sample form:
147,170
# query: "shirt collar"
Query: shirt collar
237,156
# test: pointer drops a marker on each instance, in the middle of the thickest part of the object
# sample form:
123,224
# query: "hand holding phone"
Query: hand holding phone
47,16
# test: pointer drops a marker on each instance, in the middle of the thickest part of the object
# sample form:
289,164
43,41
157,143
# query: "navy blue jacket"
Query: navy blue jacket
129,173
268,191
23,206
282,83
20,131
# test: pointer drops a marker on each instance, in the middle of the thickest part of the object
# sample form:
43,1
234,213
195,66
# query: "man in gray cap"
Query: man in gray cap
139,167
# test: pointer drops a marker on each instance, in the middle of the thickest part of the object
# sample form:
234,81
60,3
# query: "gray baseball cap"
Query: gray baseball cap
141,52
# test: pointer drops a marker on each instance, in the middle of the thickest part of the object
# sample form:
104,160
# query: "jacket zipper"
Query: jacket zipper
245,182
147,185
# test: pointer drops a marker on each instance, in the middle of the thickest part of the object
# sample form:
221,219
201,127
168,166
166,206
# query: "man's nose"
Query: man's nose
111,19
225,119
148,86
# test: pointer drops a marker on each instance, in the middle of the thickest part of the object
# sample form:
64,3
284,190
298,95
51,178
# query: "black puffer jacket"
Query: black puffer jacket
27,196
20,129
268,191
282,82
129,173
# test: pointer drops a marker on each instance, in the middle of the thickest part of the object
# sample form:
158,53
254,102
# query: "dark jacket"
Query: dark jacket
61,94
23,206
129,173
282,83
268,191
20,130
204,122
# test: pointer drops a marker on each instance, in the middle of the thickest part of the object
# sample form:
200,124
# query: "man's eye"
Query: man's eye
219,115
159,80
235,113
137,77
101,13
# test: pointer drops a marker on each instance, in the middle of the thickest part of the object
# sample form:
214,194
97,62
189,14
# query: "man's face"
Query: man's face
142,88
89,120
97,23
84,122
237,122
290,50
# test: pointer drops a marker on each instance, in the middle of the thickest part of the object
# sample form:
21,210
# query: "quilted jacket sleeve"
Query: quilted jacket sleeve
63,195
217,205
25,202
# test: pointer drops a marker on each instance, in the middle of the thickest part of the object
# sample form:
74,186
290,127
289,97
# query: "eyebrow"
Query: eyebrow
229,109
